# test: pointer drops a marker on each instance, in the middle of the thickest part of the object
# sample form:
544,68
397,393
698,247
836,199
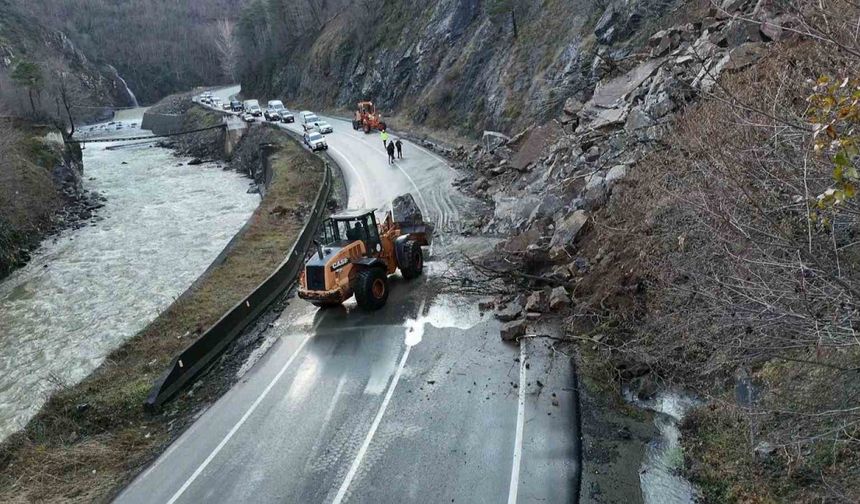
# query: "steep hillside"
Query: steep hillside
464,64
38,65
159,47
40,178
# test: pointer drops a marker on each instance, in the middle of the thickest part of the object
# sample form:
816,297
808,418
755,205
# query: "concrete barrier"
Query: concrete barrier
161,124
199,355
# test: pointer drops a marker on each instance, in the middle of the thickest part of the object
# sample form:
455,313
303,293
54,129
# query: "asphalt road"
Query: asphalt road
419,402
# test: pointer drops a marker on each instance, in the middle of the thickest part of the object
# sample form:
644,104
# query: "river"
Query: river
86,291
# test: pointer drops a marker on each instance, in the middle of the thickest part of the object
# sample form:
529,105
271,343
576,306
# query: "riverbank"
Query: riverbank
41,192
90,439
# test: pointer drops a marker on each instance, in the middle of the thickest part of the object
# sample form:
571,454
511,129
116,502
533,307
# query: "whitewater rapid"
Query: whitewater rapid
87,291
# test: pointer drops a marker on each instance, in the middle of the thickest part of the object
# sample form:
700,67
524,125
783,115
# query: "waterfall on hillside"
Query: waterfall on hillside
128,90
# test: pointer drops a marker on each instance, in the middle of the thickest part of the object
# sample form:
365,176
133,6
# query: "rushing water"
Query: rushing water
89,290
659,476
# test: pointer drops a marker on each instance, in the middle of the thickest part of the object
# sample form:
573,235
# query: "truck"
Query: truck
367,118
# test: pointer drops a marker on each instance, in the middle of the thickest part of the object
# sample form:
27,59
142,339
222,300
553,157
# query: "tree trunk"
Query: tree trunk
514,23
32,103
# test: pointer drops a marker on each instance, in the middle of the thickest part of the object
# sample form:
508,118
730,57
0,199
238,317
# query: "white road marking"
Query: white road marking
239,424
341,493
333,402
518,441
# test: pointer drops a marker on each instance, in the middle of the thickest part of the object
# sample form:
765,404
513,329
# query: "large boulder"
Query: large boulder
537,302
513,330
406,210
511,311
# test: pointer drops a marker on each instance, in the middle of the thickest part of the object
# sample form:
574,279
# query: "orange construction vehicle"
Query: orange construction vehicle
367,118
357,255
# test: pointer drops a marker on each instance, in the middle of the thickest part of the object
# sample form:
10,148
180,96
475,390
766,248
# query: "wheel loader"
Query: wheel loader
367,118
355,255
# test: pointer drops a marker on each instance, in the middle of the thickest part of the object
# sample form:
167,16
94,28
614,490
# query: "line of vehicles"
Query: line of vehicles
366,118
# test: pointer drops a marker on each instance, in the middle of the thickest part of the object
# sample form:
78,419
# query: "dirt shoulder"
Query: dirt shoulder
92,438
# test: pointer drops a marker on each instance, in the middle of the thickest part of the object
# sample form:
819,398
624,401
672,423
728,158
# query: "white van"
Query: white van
309,120
253,107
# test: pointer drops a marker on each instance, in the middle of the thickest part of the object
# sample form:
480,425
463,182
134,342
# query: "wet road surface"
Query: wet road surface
419,402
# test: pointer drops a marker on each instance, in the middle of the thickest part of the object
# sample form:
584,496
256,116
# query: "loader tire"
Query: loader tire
371,290
413,260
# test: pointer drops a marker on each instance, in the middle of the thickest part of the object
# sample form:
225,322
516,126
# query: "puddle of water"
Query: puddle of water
445,312
664,457
89,290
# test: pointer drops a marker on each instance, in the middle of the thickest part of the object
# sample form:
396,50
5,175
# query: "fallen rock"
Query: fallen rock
744,55
537,302
572,106
617,173
558,299
513,330
405,209
568,229
594,181
510,312
486,304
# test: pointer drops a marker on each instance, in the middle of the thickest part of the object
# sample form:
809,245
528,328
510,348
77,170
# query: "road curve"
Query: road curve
419,402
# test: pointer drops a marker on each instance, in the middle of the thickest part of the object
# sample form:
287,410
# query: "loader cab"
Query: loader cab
342,229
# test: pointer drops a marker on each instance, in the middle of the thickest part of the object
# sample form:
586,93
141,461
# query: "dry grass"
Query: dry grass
91,438
715,271
28,196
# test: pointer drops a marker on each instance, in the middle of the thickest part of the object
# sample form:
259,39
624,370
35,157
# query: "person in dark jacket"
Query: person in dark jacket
390,149
399,146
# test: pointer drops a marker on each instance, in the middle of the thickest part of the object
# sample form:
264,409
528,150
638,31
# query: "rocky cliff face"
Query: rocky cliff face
547,179
60,64
461,64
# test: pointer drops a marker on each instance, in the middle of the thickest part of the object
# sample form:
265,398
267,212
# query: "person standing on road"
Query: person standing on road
384,136
399,146
390,149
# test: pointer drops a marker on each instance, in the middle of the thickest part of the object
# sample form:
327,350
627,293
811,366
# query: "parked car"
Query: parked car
287,116
236,106
315,141
248,117
225,106
323,127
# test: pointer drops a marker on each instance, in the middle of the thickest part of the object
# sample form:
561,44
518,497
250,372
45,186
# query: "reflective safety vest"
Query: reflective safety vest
385,136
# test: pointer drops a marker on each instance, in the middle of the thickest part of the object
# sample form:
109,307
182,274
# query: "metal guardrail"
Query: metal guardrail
199,355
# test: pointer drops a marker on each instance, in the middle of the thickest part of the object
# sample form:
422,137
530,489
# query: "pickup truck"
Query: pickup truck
315,141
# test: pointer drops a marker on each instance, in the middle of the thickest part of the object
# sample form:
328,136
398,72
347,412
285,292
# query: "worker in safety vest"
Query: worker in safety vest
384,135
